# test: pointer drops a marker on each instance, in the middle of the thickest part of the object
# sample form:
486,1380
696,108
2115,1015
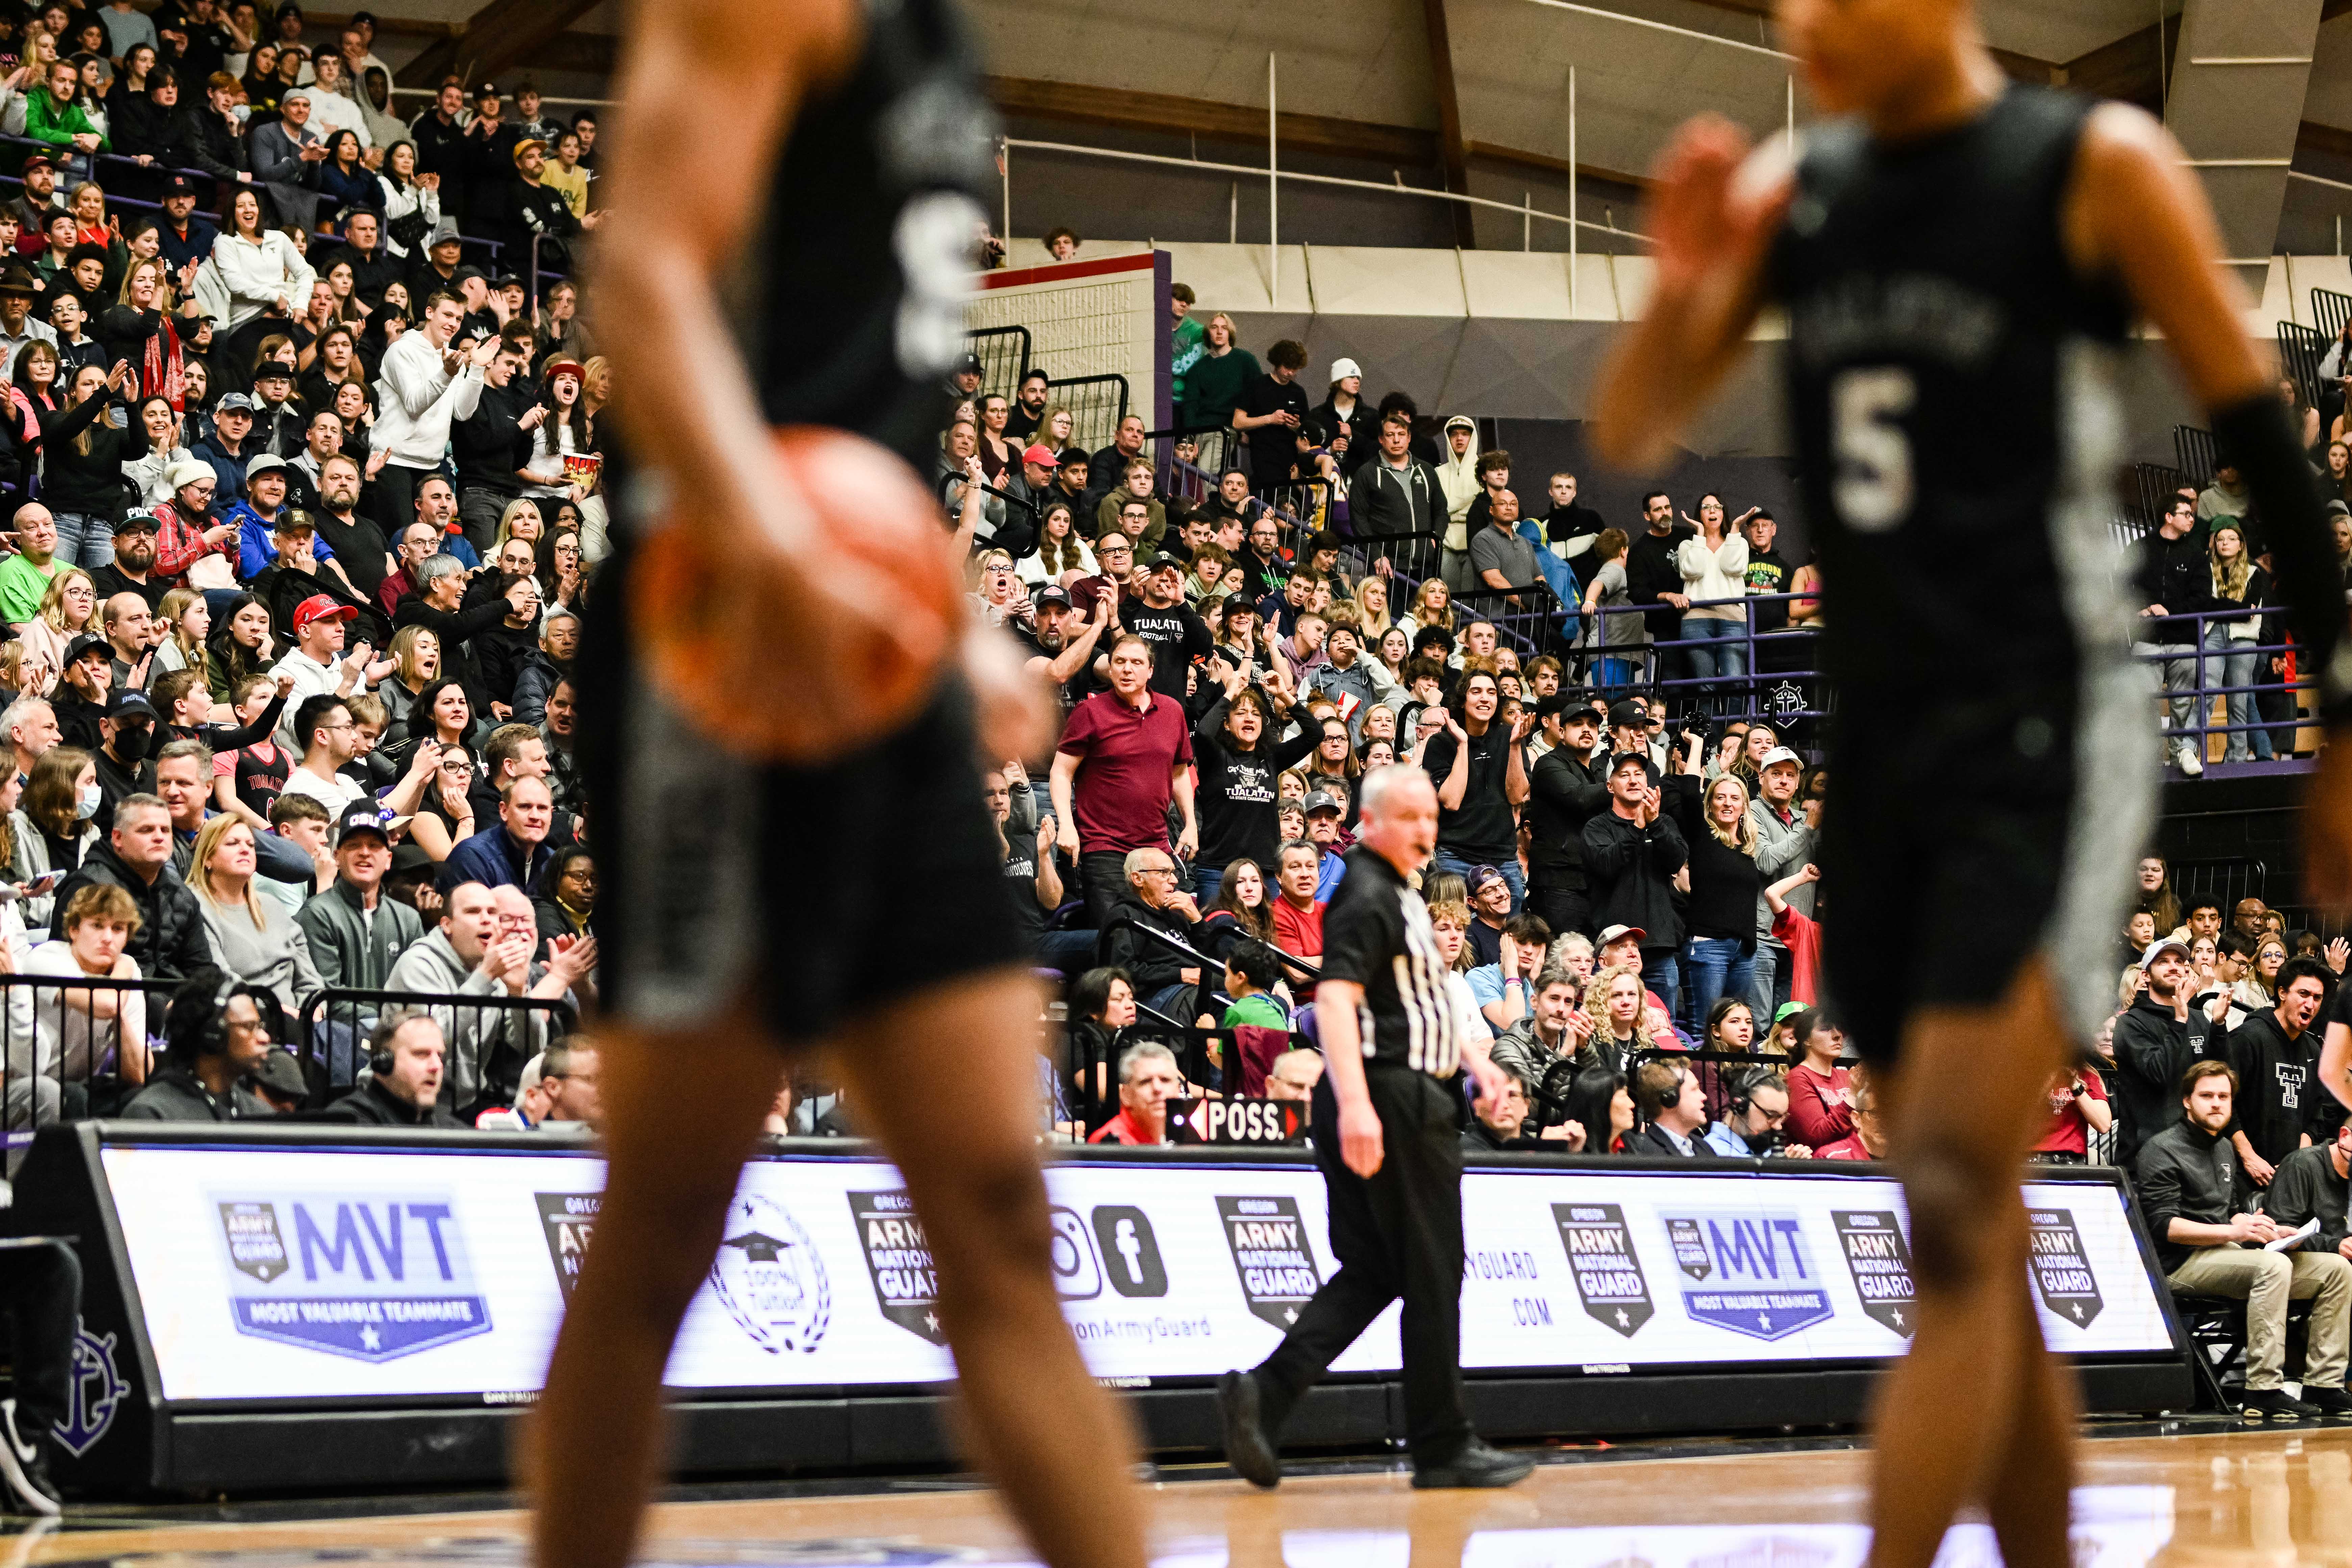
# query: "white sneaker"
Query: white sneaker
21,1466
2190,763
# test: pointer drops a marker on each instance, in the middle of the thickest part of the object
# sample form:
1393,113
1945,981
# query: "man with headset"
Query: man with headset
216,1032
405,1066
1752,1124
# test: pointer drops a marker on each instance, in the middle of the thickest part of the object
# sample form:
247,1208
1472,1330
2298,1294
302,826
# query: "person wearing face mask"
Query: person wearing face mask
171,942
124,762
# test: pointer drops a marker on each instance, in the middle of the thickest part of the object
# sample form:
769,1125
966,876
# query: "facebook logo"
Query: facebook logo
1130,1254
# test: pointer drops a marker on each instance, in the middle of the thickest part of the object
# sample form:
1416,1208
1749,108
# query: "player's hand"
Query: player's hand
2261,1170
1490,1079
1011,707
1360,1148
2252,1227
2327,828
1704,220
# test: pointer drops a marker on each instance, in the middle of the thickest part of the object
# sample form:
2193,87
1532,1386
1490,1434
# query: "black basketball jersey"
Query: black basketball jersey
1950,386
874,215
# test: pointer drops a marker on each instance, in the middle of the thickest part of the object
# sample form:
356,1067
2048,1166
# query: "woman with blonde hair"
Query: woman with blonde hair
67,611
187,618
258,943
415,654
1719,952
2238,584
1614,999
520,519
1373,618
1433,606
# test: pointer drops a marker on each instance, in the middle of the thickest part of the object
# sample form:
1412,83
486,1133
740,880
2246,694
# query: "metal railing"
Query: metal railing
1097,405
2192,449
74,1047
2300,349
2330,310
498,1033
1003,358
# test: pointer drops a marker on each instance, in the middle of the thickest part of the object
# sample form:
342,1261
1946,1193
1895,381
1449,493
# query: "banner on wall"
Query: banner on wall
307,1273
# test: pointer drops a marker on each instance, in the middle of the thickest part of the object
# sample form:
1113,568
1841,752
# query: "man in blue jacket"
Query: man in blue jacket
513,853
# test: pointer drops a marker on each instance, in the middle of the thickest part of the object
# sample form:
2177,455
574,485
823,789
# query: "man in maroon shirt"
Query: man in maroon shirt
1124,754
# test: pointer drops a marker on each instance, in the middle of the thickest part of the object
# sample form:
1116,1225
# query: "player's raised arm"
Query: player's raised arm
2138,212
1714,204
678,221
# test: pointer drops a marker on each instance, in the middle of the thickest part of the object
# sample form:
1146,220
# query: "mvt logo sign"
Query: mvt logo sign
1756,1273
353,1274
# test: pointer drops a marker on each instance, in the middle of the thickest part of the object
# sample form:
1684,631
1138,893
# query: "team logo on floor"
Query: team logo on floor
1608,1273
770,1279
2061,1272
1757,1272
353,1274
94,1391
1268,1241
898,1261
568,1219
1880,1262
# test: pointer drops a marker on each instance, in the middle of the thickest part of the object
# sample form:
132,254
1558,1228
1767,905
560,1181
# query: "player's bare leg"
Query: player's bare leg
1975,1411
682,1114
947,1082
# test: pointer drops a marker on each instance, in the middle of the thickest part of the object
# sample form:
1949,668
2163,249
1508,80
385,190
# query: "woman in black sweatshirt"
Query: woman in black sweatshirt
1239,761
81,469
1719,953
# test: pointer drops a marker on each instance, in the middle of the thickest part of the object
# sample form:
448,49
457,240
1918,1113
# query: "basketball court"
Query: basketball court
2195,1494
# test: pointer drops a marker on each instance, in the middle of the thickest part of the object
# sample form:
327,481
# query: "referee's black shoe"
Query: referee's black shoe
1477,1465
1247,1448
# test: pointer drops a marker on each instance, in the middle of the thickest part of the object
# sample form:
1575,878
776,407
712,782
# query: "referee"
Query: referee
1387,1139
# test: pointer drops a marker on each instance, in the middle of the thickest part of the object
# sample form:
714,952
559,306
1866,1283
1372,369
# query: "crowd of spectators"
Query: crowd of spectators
304,508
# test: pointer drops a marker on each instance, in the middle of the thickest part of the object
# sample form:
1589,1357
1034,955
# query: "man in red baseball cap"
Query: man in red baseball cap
317,663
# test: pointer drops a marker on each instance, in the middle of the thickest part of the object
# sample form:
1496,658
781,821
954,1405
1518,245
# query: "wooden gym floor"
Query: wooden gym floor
2194,1496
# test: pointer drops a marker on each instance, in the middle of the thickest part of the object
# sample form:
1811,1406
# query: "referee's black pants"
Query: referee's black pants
1399,1234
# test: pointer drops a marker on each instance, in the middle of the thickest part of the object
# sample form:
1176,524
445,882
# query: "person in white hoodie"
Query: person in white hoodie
253,271
422,385
1457,475
1714,564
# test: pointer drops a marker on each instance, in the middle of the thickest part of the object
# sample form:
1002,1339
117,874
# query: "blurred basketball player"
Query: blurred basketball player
1959,258
776,689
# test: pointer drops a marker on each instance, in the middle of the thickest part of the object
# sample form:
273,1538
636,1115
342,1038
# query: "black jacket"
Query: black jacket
491,445
1391,503
1653,1141
1152,966
2152,1050
212,143
172,942
173,1094
2178,574
1629,875
1564,793
2187,1173
373,1105
2307,1186
1650,571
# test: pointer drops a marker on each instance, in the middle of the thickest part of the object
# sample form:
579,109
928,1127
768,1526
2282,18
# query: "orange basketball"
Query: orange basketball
800,650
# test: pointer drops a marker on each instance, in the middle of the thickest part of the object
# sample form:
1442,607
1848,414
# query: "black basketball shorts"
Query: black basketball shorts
1964,837
817,893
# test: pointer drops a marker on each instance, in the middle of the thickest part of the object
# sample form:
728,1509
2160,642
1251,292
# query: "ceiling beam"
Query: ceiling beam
1075,103
501,34
1451,157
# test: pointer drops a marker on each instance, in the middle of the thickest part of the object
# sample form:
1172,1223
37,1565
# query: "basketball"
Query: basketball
864,608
